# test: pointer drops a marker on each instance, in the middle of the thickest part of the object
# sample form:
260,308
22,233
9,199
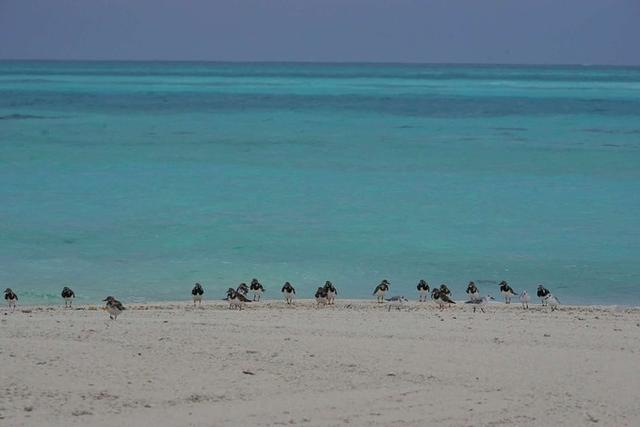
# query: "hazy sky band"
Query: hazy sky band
450,31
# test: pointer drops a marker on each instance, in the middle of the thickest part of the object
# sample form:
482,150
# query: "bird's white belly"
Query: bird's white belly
379,293
197,298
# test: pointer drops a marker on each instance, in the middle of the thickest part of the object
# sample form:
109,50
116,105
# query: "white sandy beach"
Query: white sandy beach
355,363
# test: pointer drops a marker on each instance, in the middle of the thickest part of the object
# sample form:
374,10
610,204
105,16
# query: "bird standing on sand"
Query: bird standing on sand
441,298
331,292
67,295
380,290
480,302
506,292
321,296
289,292
11,298
396,302
423,290
236,299
472,291
113,307
242,289
542,294
445,290
552,301
197,292
257,289
524,299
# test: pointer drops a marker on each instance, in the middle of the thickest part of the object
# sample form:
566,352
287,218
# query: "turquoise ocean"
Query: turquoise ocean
137,179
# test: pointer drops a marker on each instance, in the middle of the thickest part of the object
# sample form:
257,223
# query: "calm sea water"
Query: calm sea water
138,179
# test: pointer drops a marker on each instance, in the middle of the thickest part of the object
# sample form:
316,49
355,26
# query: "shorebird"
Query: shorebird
480,302
321,296
67,295
423,290
441,298
257,289
236,299
242,289
381,289
11,298
552,301
506,292
289,292
197,292
113,307
473,292
445,290
331,292
397,302
524,299
542,294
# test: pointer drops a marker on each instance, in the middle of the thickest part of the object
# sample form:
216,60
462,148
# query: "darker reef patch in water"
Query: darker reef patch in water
613,131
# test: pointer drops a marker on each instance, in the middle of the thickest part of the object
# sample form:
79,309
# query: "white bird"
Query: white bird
524,299
552,301
480,302
397,302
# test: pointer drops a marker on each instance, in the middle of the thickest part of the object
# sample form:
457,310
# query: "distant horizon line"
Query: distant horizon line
215,61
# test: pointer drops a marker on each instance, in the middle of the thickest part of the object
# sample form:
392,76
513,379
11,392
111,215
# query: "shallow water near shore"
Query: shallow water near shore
138,179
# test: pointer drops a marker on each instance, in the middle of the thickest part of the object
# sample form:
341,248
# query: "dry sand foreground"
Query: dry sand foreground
355,363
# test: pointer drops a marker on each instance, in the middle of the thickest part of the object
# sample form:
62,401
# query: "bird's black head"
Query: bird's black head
8,291
109,299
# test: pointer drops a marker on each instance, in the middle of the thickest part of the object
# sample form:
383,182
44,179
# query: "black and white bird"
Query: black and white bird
524,299
445,290
197,292
542,294
397,302
257,289
552,301
441,298
113,307
480,302
11,298
242,289
472,291
289,292
321,296
331,292
236,299
67,295
423,290
381,289
506,292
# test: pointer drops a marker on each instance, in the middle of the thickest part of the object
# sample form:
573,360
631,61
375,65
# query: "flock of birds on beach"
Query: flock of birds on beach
326,295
